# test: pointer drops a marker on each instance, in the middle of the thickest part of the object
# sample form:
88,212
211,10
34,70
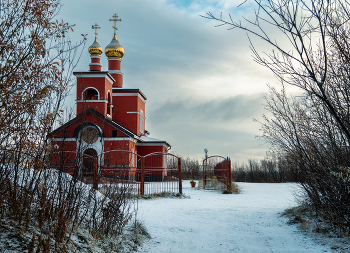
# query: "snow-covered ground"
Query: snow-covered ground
213,222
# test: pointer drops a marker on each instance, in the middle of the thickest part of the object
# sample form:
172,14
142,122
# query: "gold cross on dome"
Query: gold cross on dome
95,27
115,19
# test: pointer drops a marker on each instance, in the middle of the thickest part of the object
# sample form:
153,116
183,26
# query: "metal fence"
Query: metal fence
154,173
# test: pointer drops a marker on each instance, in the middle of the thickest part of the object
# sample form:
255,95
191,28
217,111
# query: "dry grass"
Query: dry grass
49,207
235,188
164,195
306,220
215,184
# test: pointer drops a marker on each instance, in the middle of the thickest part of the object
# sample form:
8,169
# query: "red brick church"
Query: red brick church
109,116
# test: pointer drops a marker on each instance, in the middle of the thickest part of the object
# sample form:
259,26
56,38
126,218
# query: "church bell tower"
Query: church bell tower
115,52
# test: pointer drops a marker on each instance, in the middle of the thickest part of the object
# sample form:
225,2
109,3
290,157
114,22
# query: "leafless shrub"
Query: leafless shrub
311,130
57,204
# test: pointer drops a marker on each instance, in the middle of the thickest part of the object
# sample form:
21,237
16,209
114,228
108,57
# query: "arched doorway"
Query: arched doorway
89,161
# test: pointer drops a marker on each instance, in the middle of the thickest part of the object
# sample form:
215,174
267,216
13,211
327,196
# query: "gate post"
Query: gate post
204,179
95,174
229,173
180,178
142,181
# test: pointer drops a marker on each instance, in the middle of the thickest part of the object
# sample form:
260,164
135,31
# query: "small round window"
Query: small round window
90,135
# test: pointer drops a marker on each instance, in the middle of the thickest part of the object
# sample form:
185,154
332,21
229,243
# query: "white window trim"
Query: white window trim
82,94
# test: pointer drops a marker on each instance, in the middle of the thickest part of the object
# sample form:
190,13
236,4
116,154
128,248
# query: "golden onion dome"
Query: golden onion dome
95,49
114,49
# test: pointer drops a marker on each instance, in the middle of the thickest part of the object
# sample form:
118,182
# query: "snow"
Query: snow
149,139
88,197
209,221
88,203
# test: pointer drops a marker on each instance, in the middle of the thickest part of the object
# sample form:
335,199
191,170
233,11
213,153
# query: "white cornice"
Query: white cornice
136,94
143,144
84,101
115,72
103,138
119,139
93,74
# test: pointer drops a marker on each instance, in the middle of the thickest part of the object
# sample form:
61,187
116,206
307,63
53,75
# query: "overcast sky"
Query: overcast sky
202,86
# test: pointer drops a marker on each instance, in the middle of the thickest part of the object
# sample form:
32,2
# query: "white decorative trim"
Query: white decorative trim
126,94
114,59
103,138
133,112
95,64
64,139
98,93
129,95
82,146
110,80
101,100
109,92
115,72
119,139
151,144
95,75
95,56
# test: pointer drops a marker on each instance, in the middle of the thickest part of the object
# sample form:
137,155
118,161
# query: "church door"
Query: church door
89,161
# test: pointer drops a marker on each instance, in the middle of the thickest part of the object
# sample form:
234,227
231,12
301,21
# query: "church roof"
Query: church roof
126,90
100,116
148,140
95,74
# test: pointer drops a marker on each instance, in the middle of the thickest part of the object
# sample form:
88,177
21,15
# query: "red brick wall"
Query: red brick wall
124,104
102,85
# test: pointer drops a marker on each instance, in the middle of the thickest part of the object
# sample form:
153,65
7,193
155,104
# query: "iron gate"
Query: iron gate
217,173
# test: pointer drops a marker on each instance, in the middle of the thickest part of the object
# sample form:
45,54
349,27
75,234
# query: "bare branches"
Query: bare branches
311,131
37,58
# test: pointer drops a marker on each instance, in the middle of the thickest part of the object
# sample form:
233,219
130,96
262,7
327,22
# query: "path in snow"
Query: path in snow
214,222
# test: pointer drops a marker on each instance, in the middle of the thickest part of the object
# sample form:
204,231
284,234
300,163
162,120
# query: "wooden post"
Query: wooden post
180,178
95,174
142,181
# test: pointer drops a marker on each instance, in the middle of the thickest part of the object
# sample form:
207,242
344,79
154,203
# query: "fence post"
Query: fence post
95,174
180,178
142,181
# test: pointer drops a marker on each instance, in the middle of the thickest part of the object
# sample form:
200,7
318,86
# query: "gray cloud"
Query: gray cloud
217,110
190,126
202,85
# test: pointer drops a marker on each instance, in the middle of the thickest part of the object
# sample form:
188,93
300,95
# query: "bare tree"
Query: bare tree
312,130
37,58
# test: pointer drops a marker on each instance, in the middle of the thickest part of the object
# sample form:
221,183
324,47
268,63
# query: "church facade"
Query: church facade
110,121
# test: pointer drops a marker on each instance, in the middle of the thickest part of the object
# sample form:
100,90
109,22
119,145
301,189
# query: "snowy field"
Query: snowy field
214,222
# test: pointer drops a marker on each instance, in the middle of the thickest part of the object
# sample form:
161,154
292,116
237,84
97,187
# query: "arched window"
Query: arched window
109,103
90,94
